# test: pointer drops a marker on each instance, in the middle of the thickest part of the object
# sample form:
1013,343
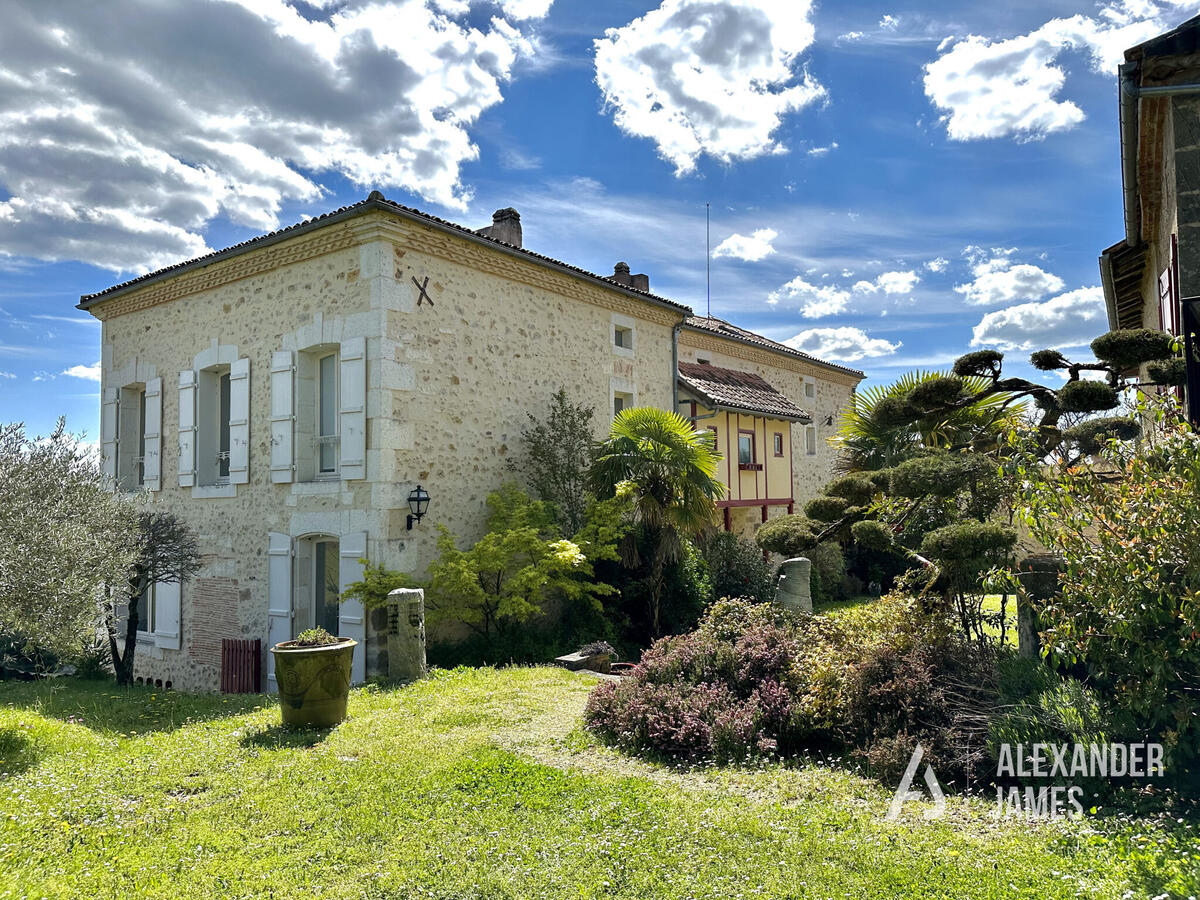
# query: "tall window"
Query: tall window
141,458
327,414
223,428
131,437
778,440
325,585
810,440
145,609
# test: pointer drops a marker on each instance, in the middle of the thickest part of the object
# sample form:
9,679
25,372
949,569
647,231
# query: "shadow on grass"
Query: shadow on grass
284,737
17,753
106,708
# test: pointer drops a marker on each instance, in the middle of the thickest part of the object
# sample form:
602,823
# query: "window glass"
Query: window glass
223,429
618,403
810,389
745,448
778,444
623,337
141,466
325,585
810,439
327,413
145,609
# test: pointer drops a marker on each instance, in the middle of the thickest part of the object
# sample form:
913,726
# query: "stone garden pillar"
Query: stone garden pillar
1038,574
792,591
406,634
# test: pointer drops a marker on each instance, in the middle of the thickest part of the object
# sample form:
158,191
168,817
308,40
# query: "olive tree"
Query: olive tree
65,537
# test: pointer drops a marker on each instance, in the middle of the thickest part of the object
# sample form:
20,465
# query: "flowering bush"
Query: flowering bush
748,683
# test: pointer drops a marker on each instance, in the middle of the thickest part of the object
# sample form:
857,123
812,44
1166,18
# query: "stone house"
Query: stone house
1157,262
287,394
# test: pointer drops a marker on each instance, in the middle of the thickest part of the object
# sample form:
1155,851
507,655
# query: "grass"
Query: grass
479,784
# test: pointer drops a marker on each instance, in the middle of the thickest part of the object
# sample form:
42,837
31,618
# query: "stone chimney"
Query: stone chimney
621,276
506,226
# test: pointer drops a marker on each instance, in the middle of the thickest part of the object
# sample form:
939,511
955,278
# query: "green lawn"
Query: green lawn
479,783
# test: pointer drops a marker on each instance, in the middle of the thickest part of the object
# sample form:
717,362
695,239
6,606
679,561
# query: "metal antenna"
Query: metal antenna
707,263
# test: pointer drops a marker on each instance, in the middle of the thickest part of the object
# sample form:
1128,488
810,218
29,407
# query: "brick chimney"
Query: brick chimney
621,276
506,226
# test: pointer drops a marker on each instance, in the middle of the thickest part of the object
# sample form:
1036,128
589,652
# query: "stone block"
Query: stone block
793,591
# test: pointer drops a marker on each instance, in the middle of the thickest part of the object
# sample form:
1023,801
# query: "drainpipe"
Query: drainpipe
675,366
1128,114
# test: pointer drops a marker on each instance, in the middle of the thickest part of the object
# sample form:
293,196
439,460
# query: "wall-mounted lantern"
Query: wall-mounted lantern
418,502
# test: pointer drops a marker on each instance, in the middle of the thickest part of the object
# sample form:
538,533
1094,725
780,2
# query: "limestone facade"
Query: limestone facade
286,395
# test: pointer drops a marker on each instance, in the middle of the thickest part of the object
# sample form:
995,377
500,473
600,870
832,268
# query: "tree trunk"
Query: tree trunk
123,662
656,585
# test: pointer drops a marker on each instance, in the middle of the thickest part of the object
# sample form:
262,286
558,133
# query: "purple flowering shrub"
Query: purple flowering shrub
749,683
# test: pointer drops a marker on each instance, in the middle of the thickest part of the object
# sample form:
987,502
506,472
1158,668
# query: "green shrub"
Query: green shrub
1091,435
1168,371
1128,348
1087,396
828,578
856,490
1048,360
315,637
826,509
985,363
736,568
788,536
936,392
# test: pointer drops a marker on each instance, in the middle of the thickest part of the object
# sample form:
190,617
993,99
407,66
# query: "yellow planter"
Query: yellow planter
314,682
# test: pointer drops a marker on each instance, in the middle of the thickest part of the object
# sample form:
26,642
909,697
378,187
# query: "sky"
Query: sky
888,185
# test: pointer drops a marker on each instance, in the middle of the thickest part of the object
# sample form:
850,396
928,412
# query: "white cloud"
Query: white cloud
815,302
844,344
751,249
126,127
88,373
891,283
1068,320
823,151
999,280
7,375
851,36
708,76
992,89
938,264
889,23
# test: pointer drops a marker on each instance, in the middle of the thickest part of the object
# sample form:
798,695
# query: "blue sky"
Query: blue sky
891,184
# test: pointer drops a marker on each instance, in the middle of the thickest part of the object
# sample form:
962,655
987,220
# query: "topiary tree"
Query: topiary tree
936,445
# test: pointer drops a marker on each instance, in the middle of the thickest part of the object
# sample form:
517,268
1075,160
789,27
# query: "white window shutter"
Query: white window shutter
283,416
352,409
152,462
167,614
108,432
279,597
351,618
187,428
239,421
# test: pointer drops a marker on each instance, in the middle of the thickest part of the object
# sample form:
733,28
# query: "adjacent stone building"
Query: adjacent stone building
1158,261
286,395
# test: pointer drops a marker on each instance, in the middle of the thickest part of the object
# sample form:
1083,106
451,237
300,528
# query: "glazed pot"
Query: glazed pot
314,682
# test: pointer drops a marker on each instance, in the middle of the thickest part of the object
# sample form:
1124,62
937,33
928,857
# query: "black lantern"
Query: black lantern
418,502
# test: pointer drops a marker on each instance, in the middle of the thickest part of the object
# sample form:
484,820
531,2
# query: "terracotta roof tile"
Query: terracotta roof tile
375,201
725,329
744,391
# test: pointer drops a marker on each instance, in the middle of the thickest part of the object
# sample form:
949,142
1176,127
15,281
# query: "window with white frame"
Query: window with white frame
145,606
624,335
158,610
214,422
130,428
621,401
319,412
213,395
327,415
810,389
810,440
131,437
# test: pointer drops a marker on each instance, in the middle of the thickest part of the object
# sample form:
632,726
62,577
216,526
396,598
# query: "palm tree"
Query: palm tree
869,438
671,469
